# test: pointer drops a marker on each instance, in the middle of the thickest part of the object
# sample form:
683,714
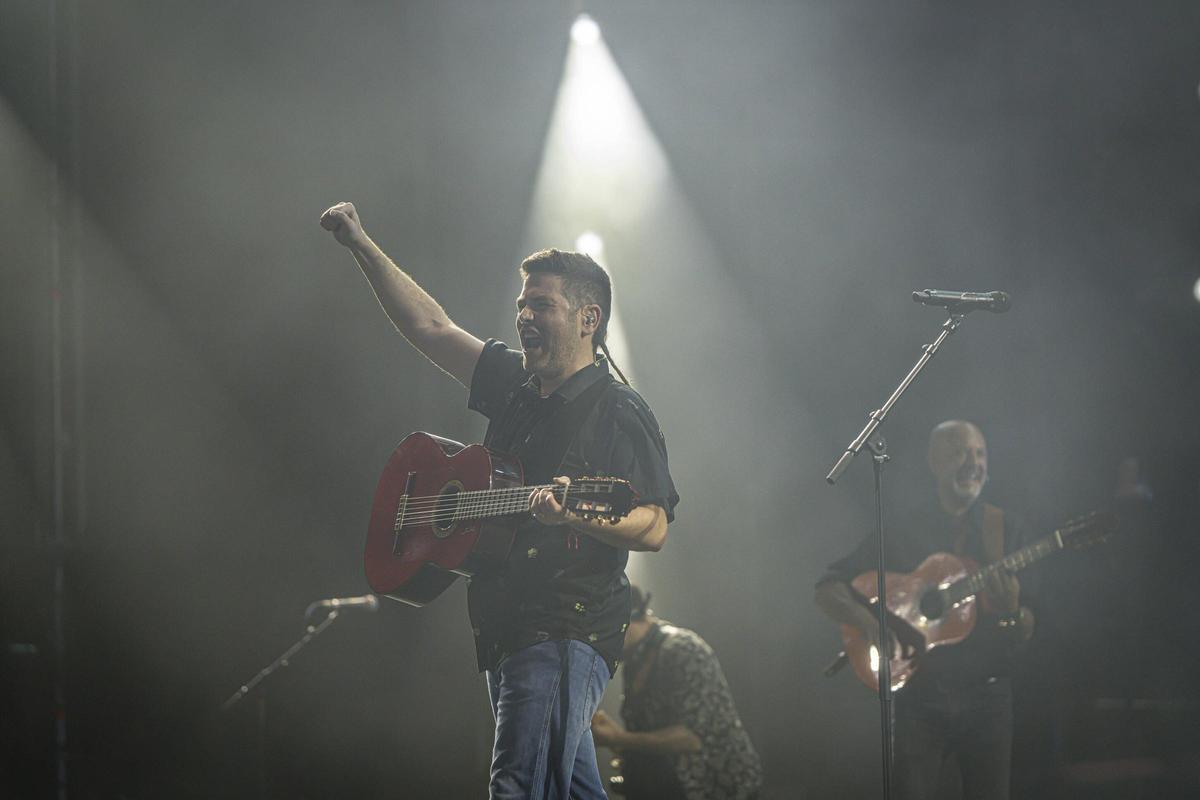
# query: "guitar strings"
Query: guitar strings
478,492
483,496
462,505
464,511
1020,559
420,500
496,502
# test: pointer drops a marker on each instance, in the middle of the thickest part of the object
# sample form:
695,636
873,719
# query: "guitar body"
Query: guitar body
935,604
915,615
415,547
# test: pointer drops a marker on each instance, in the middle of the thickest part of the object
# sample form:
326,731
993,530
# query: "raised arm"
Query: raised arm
411,309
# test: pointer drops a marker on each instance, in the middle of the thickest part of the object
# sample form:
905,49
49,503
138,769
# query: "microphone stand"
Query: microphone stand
878,447
311,632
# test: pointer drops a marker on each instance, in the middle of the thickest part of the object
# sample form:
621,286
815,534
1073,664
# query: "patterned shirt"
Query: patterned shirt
558,583
685,686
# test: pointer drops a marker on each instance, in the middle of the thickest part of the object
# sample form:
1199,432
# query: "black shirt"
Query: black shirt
558,583
987,651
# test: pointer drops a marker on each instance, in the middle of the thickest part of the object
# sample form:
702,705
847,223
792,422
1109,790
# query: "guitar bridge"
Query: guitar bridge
401,508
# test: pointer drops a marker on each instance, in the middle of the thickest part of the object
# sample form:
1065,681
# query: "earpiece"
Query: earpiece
589,319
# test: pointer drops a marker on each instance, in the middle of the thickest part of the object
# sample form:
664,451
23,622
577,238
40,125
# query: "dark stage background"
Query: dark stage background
227,388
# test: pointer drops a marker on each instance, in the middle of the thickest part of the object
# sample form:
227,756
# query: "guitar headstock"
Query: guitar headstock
1090,529
601,498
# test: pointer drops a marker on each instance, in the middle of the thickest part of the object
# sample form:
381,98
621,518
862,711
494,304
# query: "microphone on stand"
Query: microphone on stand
963,302
366,602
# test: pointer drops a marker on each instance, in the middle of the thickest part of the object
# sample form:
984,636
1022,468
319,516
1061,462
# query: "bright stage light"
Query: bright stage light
604,187
1196,290
585,30
589,242
602,168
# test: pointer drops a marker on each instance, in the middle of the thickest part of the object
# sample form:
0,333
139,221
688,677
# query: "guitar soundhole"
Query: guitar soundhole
447,509
933,604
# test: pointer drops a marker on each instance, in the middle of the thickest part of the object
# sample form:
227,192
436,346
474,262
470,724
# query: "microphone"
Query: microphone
963,302
367,602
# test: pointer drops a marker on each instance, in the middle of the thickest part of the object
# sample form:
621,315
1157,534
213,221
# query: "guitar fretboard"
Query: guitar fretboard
499,502
443,510
1014,562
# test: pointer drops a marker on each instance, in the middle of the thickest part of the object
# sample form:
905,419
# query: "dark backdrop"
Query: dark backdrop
231,389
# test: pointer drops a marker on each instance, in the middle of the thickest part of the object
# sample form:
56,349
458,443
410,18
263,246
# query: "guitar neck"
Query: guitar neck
1013,562
499,502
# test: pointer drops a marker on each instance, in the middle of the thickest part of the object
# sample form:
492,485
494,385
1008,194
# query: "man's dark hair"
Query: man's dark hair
584,283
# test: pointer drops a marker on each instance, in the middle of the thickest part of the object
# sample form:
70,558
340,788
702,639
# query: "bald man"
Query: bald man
958,706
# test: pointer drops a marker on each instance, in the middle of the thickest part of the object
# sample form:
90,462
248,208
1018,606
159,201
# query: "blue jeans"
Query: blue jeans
543,698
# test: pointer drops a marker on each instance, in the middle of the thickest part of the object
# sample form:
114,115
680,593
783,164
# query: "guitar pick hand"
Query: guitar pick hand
1004,592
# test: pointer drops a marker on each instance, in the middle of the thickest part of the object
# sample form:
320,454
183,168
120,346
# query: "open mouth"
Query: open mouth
968,475
530,340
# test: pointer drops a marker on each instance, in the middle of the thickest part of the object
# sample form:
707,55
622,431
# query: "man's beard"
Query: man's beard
549,360
970,490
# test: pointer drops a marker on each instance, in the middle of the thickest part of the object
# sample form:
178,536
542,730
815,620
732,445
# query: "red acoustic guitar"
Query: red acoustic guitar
934,605
444,509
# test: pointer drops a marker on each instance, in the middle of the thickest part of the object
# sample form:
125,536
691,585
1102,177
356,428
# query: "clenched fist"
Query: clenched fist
343,220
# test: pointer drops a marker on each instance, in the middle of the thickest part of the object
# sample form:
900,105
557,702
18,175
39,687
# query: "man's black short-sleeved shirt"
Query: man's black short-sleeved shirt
558,583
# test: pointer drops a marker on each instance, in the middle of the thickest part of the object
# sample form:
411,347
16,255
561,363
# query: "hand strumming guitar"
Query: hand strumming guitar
673,739
1003,592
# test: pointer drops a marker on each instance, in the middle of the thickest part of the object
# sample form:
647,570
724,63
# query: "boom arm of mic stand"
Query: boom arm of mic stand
311,633
879,415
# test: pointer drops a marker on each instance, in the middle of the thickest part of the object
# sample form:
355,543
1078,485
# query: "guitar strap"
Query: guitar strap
569,421
565,428
993,532
992,537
